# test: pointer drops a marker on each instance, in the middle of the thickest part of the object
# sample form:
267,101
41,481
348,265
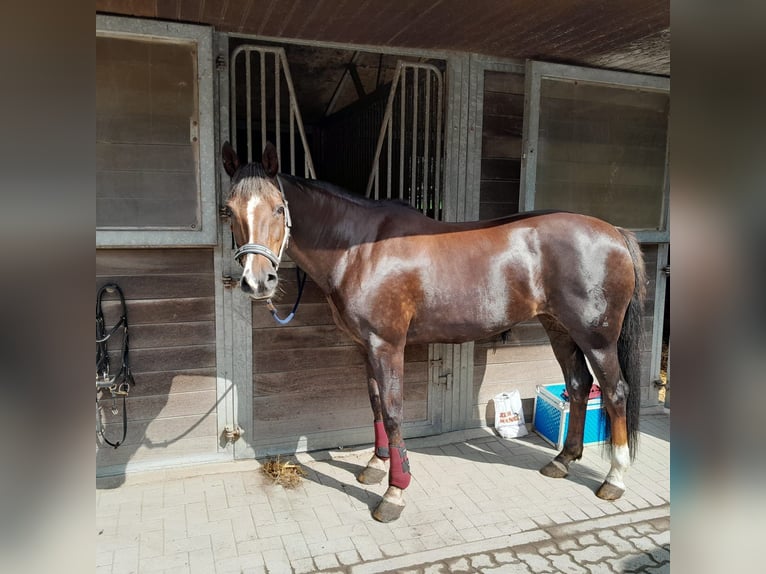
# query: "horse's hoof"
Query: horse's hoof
390,508
554,469
371,475
387,511
608,491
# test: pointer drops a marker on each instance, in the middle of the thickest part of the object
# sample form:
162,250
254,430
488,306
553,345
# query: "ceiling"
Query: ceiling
631,35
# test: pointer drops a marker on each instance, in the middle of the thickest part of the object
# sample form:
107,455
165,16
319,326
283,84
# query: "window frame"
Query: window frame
206,234
535,72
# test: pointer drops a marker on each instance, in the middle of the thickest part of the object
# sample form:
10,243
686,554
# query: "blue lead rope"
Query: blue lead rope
301,277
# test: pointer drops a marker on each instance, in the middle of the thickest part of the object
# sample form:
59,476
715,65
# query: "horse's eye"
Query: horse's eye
280,210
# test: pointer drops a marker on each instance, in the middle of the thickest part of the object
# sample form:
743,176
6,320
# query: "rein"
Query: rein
118,384
276,259
301,284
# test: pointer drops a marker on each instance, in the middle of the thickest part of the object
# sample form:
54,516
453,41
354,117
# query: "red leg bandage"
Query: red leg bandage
381,441
399,474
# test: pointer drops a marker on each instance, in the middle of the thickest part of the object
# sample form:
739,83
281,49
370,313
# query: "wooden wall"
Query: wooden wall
503,118
171,312
309,379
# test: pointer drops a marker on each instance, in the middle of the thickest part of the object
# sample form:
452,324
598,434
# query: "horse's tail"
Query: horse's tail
629,343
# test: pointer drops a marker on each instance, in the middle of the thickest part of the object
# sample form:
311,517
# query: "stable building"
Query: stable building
465,111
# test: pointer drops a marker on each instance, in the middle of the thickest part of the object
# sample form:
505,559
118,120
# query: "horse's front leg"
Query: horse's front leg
375,471
387,365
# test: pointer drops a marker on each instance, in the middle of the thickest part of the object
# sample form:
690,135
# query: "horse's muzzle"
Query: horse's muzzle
261,288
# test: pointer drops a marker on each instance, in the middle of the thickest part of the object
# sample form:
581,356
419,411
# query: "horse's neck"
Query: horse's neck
320,231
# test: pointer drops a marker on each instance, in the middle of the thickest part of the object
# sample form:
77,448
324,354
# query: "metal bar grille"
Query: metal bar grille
410,163
262,110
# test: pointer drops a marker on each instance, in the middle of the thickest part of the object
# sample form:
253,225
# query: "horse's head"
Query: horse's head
259,219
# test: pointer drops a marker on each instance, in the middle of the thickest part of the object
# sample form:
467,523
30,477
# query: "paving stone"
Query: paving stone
536,562
602,568
436,569
565,564
326,561
458,565
481,561
567,545
621,545
594,553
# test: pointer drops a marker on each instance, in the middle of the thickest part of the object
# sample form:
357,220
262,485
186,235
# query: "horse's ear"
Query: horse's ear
230,159
270,160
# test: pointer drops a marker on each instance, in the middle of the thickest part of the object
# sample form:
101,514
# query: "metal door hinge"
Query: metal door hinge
229,282
220,63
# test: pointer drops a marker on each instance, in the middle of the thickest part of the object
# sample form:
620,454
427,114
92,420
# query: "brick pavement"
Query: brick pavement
476,504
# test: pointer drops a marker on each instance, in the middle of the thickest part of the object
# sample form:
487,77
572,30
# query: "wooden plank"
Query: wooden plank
166,382
488,353
495,210
268,431
161,406
148,453
503,126
301,359
497,104
172,335
516,372
162,286
308,314
113,262
506,82
354,377
525,333
508,147
172,359
158,311
160,433
499,191
281,338
508,169
320,401
288,290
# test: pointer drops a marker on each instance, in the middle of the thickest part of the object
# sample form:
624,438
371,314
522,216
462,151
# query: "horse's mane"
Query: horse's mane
256,170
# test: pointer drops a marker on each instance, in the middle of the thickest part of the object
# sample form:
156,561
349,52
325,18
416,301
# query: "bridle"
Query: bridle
258,249
276,259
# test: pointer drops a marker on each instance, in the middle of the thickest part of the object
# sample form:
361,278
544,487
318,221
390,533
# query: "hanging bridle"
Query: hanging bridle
275,258
117,384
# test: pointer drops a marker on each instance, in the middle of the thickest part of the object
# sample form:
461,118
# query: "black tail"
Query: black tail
629,343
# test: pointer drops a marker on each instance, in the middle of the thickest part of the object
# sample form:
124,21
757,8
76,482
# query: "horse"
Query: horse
391,276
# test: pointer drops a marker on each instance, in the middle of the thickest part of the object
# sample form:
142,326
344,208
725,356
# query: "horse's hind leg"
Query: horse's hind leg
578,383
376,470
614,395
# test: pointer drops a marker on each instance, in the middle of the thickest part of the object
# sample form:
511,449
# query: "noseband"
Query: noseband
258,249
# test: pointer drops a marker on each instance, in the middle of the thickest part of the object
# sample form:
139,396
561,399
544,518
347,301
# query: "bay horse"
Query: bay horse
392,275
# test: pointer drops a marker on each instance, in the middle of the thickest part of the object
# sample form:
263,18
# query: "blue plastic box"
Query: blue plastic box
551,417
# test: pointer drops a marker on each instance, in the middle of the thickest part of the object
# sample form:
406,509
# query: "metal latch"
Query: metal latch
229,282
232,432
